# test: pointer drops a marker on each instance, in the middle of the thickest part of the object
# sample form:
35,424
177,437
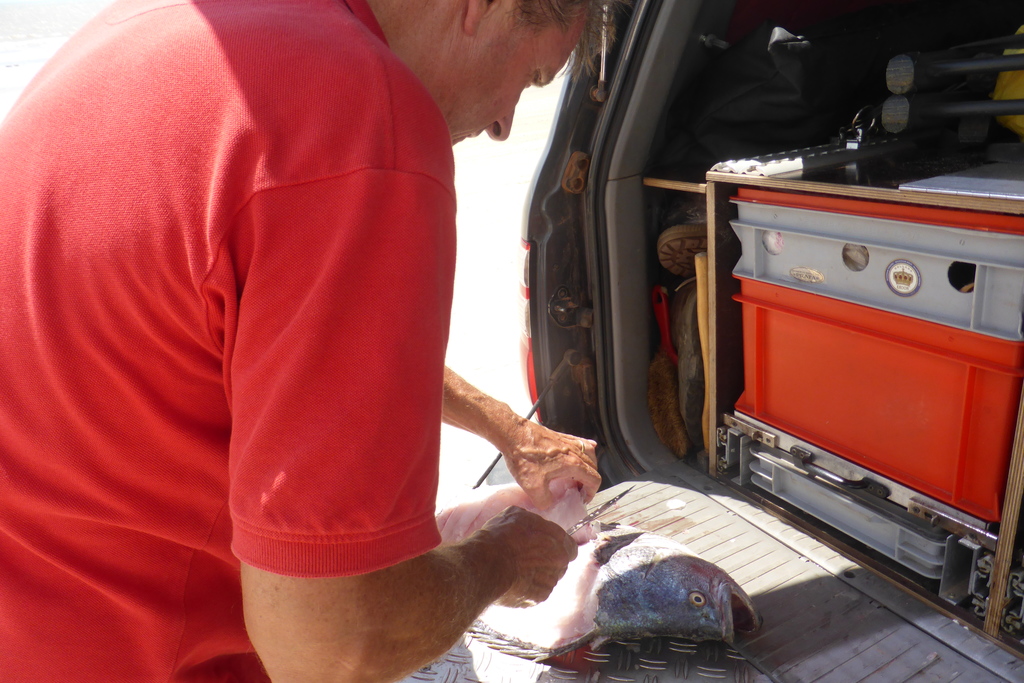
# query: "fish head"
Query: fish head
709,602
735,606
674,595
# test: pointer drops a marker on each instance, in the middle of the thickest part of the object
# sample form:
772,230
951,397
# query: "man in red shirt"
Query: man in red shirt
220,428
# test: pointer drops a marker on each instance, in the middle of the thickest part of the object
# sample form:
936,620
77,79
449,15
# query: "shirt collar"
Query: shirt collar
361,10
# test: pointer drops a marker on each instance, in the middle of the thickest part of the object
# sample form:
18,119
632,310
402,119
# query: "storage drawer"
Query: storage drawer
965,270
912,542
930,406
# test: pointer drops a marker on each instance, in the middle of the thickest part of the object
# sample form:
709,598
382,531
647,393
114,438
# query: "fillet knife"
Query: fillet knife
597,512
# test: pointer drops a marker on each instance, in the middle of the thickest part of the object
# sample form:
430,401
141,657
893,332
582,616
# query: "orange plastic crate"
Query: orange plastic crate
930,406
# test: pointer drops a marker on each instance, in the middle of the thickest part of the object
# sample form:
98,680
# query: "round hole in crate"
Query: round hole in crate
855,257
961,276
773,242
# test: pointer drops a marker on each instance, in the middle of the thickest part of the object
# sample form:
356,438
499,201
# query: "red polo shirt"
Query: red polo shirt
226,260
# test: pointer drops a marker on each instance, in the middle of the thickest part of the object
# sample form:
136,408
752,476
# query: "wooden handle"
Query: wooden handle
1003,560
700,262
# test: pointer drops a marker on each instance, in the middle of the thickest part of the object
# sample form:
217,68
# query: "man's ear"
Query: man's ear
476,10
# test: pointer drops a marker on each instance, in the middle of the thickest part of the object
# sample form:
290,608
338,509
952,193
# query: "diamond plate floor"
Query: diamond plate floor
656,660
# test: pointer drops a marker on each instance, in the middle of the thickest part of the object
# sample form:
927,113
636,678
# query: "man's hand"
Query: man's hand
535,455
386,624
540,551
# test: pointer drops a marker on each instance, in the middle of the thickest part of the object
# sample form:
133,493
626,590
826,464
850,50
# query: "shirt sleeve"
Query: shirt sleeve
335,371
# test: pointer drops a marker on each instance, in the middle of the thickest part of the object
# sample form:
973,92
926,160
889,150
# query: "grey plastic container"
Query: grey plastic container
924,553
970,279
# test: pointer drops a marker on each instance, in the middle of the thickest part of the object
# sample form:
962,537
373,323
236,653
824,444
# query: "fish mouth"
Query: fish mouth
737,611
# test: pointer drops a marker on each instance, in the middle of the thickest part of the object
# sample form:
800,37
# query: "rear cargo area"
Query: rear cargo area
826,618
862,423
651,183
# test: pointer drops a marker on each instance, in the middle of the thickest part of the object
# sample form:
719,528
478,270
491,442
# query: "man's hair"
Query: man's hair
600,15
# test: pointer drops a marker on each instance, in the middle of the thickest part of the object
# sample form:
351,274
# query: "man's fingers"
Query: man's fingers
586,476
542,497
571,549
589,452
541,584
542,552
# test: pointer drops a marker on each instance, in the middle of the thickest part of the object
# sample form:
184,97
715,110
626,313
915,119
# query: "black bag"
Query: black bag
784,92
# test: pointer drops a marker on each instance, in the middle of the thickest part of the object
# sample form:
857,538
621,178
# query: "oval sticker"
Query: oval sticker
903,277
808,275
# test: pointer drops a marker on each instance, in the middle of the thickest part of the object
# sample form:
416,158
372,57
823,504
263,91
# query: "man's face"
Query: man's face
510,61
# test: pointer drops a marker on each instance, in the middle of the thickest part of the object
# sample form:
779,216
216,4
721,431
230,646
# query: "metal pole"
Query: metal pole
571,357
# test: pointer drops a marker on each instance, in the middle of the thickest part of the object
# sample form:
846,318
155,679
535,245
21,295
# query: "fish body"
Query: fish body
459,518
624,584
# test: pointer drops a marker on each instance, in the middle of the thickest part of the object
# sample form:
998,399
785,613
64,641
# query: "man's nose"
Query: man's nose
500,129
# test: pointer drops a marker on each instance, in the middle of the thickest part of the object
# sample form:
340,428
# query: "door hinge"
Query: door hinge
566,311
574,179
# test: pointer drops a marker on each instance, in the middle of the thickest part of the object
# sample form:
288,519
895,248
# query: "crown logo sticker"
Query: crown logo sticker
903,277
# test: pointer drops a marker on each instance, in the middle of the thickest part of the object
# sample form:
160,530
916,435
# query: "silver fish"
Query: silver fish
626,584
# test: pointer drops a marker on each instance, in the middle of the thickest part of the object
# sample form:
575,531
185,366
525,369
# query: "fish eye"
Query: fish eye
697,599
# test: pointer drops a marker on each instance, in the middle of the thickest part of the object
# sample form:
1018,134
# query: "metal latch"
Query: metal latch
960,527
759,435
864,127
566,311
574,179
584,376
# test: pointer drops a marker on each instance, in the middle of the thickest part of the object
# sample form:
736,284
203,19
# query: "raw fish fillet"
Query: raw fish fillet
625,583
472,510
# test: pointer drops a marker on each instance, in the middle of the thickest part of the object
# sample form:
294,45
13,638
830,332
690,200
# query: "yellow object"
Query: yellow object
1010,86
700,262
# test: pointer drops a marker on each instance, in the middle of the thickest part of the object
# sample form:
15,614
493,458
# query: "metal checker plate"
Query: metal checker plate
653,660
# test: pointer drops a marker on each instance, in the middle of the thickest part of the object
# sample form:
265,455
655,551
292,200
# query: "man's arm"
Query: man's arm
386,624
534,454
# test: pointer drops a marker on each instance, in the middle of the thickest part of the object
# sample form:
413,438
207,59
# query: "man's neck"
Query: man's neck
423,35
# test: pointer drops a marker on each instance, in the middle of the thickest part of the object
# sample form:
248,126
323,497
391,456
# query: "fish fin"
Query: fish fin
517,648
509,646
613,543
582,641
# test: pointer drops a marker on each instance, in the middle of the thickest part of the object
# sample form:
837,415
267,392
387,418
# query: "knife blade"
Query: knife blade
597,512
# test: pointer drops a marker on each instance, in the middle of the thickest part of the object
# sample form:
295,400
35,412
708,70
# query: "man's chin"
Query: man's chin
459,137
